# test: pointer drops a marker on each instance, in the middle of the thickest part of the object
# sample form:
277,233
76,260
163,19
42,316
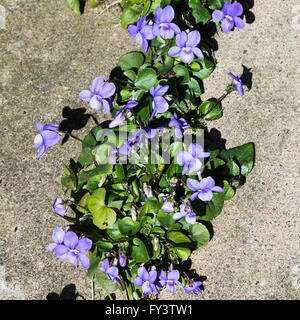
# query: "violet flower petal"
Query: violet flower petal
58,235
227,24
235,9
71,239
193,39
85,261
85,95
217,15
84,244
97,85
239,23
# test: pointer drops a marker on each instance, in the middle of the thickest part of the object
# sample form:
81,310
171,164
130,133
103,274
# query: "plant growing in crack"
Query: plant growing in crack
145,186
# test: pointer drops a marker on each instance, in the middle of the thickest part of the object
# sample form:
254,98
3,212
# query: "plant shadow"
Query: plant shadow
75,119
247,5
67,293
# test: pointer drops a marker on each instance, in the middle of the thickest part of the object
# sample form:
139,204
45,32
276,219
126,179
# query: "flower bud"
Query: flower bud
133,213
153,268
101,181
173,181
115,262
122,260
156,244
58,206
147,191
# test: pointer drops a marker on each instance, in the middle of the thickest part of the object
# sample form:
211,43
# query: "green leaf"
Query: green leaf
83,203
199,12
244,154
216,4
163,182
102,152
94,4
214,163
228,191
102,280
68,182
74,5
131,60
182,253
116,204
104,245
194,90
130,74
214,114
114,232
205,71
151,206
128,227
166,220
119,173
233,168
146,78
104,217
200,234
94,263
93,183
164,68
139,251
214,207
178,237
183,73
100,170
96,200
130,16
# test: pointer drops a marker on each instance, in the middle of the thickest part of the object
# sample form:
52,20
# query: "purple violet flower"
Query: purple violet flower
169,279
189,159
159,104
188,162
203,189
67,246
135,138
146,280
122,114
230,15
187,46
59,207
197,151
179,124
141,32
47,137
111,272
237,82
187,212
163,25
168,205
194,287
99,95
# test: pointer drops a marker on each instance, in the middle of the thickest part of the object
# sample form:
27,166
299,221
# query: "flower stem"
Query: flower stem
110,297
125,287
93,289
76,138
223,96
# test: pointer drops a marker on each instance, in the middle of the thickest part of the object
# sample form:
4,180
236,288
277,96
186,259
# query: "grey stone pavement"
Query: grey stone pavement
48,55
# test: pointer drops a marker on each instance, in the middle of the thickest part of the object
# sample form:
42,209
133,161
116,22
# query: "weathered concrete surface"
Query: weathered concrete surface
48,54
